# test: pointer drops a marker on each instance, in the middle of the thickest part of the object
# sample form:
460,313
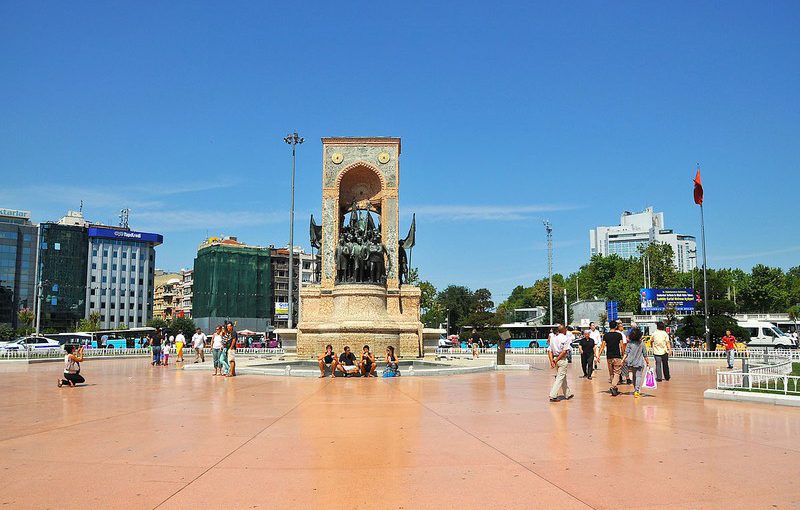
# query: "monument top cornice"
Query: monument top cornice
362,140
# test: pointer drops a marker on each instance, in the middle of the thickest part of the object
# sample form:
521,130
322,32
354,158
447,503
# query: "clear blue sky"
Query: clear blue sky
509,113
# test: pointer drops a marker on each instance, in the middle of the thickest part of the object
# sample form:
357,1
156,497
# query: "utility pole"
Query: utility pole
565,307
293,139
549,229
38,288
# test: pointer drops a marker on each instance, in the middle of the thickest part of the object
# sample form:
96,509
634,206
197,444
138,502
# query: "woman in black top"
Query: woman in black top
391,361
155,345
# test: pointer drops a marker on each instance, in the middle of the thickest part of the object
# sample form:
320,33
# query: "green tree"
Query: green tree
458,302
6,332
90,324
122,326
183,324
158,323
766,291
482,316
25,316
432,313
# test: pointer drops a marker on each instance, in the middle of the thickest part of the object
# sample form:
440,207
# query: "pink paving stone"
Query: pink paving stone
143,437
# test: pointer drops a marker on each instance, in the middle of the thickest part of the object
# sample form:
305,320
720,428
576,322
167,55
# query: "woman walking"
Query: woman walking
662,348
72,367
635,359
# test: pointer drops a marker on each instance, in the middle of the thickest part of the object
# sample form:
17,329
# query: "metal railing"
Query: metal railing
684,353
124,352
766,371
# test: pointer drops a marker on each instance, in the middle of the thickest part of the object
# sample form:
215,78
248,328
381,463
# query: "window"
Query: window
102,304
113,279
124,254
57,246
94,278
105,253
105,267
94,253
124,267
44,244
94,265
113,267
113,305
103,279
27,237
92,292
113,254
130,318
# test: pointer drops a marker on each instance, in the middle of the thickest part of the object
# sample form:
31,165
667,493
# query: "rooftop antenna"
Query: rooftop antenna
81,209
123,217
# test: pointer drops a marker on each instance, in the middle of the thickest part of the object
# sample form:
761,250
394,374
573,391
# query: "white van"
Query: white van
765,334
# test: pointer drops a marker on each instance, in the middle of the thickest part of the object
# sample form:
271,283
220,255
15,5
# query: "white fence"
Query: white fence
120,352
753,352
768,371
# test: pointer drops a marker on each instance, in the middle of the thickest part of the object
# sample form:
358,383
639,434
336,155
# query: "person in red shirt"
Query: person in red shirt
730,346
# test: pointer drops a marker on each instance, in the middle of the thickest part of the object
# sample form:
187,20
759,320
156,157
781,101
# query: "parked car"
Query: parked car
32,342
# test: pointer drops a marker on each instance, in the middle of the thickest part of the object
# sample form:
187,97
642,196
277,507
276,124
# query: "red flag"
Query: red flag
698,189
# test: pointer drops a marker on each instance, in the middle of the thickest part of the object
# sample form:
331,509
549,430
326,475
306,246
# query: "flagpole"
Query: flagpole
705,279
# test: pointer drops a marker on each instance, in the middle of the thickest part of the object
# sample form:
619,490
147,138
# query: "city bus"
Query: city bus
110,339
525,335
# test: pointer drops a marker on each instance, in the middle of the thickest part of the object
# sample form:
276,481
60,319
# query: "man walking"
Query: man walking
662,348
613,346
595,335
560,345
730,347
587,354
199,343
625,374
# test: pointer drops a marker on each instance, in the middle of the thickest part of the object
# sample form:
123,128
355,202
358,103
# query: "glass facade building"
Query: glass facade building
62,262
17,264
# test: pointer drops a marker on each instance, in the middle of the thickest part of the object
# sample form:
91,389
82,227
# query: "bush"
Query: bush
6,333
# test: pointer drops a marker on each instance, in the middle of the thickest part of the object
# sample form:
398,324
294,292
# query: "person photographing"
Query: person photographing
72,366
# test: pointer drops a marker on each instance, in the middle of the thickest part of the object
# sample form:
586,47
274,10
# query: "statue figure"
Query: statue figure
343,252
357,255
403,245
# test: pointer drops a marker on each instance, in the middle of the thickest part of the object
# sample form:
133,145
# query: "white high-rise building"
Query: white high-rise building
640,229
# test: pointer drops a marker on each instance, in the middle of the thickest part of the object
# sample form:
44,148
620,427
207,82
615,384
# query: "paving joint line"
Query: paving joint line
523,466
273,422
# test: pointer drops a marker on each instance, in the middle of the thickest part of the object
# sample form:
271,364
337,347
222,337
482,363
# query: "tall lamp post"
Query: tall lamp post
292,139
549,229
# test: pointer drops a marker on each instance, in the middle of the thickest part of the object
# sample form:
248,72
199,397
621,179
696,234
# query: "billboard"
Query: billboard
281,310
655,300
125,235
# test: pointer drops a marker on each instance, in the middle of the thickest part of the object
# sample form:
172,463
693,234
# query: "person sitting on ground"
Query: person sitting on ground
72,366
327,359
347,362
367,363
391,361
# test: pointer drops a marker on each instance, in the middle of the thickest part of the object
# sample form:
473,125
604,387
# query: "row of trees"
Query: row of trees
764,289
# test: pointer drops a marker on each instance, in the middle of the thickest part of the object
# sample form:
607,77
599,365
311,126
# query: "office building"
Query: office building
165,293
62,266
17,264
232,281
121,272
183,306
637,230
280,278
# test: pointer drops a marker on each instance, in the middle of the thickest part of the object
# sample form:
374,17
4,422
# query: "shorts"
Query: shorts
231,355
474,346
349,368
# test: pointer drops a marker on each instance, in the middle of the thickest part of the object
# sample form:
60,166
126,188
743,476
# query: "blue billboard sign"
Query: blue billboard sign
656,300
125,235
612,310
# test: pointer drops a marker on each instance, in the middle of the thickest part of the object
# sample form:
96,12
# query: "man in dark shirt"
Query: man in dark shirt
347,362
612,345
155,345
587,354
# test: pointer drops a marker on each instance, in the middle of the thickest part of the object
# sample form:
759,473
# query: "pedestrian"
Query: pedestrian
72,366
595,335
586,346
625,373
557,352
662,348
217,344
476,341
199,344
155,346
165,353
232,355
730,347
180,340
635,359
229,340
612,345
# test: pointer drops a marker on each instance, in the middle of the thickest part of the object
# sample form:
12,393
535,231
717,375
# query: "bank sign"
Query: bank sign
125,235
656,300
281,310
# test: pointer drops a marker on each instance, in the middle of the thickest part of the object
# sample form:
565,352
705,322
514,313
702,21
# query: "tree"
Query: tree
413,276
432,313
26,317
184,325
90,324
794,315
766,291
481,316
6,332
121,327
158,323
456,300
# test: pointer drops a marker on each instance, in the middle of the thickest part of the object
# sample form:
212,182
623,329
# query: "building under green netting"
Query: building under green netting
232,282
64,256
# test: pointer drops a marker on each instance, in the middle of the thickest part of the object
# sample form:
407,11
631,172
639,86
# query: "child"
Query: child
165,356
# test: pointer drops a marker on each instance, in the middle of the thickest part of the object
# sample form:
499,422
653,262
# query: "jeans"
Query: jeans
75,378
662,366
561,380
157,354
637,373
223,361
587,363
730,354
215,355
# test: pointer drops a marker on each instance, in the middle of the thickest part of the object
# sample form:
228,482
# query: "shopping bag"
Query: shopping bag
650,380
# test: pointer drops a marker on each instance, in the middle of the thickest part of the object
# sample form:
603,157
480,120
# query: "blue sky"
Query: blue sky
510,112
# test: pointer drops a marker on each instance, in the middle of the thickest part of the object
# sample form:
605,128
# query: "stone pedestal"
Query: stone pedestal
358,315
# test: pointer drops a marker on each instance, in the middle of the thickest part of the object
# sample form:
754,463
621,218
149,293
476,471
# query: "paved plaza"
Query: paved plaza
143,437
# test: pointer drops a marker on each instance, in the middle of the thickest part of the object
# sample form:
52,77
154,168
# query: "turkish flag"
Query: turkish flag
698,189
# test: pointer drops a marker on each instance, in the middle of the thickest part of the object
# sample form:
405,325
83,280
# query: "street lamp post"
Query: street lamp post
549,228
292,139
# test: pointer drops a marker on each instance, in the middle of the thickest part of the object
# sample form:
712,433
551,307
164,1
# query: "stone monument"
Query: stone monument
361,297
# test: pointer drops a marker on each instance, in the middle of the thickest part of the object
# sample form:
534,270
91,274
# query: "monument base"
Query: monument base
358,315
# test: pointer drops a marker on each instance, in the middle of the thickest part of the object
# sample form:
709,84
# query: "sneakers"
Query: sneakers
553,400
636,394
614,392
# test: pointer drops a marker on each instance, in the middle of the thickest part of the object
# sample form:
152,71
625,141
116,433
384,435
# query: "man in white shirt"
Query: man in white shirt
199,343
595,335
560,346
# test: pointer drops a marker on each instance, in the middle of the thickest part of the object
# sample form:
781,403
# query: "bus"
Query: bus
525,335
110,339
